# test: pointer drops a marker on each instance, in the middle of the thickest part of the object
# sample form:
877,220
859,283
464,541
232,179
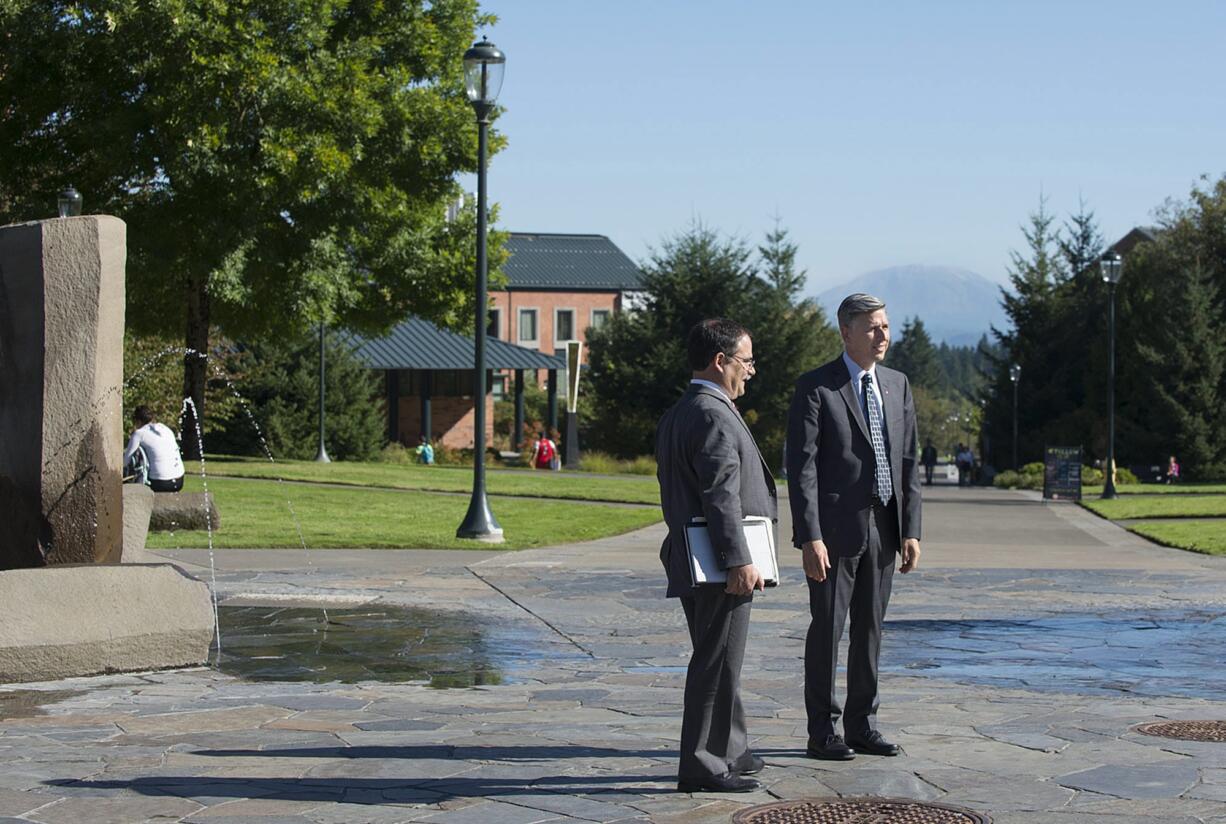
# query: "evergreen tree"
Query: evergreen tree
696,275
281,389
915,355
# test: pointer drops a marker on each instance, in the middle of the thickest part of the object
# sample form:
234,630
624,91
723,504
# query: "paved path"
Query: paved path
1016,662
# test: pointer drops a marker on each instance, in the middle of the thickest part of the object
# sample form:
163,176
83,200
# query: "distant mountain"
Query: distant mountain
956,305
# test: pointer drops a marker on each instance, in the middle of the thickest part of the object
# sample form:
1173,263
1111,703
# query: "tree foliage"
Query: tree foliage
1170,359
277,163
638,362
281,398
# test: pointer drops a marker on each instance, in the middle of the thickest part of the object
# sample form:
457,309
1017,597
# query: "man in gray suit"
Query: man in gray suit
710,467
854,489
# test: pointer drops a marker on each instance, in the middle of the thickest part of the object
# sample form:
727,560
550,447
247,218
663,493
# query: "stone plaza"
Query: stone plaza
1017,662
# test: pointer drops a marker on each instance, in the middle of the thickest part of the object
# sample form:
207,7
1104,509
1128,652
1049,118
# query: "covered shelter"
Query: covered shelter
428,379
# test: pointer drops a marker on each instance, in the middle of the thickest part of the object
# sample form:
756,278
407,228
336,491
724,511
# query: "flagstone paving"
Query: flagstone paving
1016,662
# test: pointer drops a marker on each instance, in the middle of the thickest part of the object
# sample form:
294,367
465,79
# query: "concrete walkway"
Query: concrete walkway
1015,663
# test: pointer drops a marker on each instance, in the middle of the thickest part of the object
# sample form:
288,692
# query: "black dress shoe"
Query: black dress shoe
729,782
831,749
873,743
747,764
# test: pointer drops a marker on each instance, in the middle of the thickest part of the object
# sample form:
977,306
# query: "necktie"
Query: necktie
882,487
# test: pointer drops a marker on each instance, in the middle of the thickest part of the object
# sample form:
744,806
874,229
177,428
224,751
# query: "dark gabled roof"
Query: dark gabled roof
1138,235
568,262
419,344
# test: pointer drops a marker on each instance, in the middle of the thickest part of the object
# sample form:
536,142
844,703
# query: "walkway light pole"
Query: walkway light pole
1015,372
322,455
483,67
1112,268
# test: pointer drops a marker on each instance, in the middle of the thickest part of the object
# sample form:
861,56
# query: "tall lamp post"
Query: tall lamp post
1112,268
483,67
1015,372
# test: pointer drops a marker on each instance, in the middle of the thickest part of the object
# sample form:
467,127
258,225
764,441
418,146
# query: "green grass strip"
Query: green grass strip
631,489
257,514
1158,506
1157,489
1207,537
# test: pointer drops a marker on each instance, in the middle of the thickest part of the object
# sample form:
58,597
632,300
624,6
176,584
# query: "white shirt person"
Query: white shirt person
161,451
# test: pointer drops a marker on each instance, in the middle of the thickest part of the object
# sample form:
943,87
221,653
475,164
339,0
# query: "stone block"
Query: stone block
137,508
173,511
61,366
69,621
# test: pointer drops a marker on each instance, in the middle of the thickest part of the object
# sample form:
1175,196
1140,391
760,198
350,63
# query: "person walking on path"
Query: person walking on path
160,448
929,460
854,490
709,467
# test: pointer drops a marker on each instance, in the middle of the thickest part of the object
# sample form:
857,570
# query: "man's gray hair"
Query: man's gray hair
859,303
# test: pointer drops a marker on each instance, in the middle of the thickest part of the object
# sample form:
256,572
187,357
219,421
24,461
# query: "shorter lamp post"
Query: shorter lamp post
1112,268
1015,372
69,202
322,455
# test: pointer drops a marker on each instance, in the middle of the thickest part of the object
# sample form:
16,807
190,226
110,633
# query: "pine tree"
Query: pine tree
915,355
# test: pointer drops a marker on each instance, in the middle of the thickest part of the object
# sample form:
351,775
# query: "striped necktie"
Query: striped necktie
882,487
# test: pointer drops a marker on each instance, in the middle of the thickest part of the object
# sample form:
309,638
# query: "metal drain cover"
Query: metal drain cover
1212,731
858,811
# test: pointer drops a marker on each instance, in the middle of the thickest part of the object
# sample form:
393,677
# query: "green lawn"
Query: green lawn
1158,506
257,513
636,489
1208,537
1157,489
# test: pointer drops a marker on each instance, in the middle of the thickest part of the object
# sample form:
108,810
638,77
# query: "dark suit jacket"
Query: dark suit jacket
708,466
830,458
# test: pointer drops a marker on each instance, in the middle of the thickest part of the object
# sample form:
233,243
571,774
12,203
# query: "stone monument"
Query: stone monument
61,490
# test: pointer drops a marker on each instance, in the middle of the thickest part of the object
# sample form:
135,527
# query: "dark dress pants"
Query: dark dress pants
858,585
713,720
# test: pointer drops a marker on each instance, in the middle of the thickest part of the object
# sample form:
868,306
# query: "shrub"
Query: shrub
281,384
1009,480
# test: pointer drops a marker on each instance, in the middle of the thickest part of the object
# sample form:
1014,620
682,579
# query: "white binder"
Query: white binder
759,535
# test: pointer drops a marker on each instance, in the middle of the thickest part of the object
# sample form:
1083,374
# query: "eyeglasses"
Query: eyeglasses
749,362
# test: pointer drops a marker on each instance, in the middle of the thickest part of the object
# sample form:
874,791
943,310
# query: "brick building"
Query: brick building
428,380
558,286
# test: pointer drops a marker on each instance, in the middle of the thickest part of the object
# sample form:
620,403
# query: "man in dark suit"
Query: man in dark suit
710,467
854,488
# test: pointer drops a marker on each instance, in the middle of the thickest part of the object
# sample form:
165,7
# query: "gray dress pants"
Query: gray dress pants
713,720
858,585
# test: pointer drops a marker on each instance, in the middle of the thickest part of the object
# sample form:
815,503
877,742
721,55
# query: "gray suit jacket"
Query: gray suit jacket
830,458
708,466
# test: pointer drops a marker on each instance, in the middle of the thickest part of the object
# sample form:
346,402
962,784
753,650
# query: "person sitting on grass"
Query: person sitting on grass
425,452
165,466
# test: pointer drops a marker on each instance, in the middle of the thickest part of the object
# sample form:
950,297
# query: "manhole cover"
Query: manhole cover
1214,731
858,811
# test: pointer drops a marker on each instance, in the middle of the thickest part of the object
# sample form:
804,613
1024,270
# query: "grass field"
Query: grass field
636,489
1208,537
262,513
1158,489
1158,506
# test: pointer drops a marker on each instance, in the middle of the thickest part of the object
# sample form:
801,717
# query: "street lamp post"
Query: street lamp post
69,202
1015,372
1112,268
322,455
483,67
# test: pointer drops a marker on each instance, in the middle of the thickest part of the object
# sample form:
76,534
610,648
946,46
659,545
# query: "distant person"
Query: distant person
161,451
425,452
544,451
929,460
965,461
1172,471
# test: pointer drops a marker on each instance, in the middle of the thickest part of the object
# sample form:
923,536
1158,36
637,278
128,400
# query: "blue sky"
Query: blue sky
881,133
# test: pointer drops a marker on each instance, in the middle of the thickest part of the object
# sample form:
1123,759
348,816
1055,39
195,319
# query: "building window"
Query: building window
599,318
495,323
527,326
563,325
